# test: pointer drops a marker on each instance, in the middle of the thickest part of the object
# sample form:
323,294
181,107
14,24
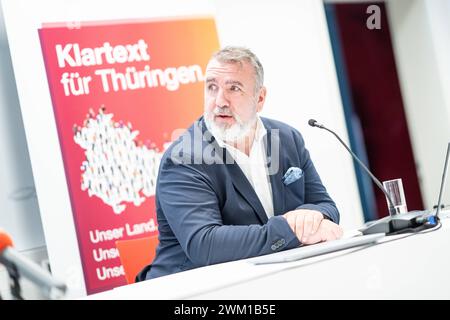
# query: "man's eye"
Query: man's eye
212,87
235,88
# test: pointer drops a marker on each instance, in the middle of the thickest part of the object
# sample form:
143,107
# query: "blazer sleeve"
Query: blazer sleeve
191,208
316,195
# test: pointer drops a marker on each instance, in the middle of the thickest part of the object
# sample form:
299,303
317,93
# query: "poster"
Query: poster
121,92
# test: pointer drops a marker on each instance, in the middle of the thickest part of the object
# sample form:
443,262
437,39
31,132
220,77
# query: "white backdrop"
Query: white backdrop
289,36
421,41
19,211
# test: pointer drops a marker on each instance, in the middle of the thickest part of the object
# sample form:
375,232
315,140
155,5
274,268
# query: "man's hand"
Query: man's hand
310,227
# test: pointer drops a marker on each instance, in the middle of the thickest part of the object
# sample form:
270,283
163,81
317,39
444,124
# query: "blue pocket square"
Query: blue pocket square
292,175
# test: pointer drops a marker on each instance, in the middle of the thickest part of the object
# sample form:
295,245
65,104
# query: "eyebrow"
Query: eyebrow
234,82
212,79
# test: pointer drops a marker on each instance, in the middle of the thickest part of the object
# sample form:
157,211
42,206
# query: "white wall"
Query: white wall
289,36
421,37
19,210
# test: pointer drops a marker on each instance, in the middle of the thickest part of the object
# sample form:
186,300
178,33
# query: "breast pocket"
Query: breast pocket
295,194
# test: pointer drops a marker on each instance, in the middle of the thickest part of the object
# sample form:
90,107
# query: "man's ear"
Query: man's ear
261,99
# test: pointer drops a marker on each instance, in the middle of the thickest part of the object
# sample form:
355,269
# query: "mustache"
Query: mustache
223,112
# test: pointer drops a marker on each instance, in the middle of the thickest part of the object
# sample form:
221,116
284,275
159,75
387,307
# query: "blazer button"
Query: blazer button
273,247
283,241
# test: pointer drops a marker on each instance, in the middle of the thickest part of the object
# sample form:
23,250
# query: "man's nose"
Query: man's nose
221,99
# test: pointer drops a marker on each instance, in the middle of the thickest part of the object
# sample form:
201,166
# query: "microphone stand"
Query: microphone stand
18,265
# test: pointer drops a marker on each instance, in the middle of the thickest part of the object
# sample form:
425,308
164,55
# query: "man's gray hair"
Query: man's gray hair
233,54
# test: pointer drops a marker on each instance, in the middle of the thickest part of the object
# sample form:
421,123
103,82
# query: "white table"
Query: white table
414,267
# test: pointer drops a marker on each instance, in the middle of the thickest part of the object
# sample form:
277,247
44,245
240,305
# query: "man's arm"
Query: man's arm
316,196
317,218
191,208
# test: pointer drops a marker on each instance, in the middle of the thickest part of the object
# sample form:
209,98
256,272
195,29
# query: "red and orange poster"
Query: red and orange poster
119,91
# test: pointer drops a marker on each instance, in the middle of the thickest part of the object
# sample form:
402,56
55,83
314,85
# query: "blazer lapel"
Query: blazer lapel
242,184
275,179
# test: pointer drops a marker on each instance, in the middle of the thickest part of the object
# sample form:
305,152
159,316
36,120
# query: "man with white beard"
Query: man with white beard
268,198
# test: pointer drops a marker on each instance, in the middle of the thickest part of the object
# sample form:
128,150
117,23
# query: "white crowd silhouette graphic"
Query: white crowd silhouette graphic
118,168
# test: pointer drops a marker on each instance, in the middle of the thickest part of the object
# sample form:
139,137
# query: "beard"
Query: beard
233,133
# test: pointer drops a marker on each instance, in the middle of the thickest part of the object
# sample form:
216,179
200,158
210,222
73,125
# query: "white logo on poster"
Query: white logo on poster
117,168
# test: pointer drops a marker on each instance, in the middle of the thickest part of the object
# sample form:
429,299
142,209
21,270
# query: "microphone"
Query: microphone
5,241
396,222
314,123
13,260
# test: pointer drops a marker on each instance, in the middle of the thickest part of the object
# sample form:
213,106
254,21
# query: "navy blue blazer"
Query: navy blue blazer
209,213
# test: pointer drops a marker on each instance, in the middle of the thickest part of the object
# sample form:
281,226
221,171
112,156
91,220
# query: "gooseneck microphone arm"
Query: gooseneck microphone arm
392,210
20,265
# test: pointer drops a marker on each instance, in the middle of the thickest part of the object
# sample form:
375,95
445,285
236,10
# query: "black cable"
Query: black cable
414,231
14,284
418,229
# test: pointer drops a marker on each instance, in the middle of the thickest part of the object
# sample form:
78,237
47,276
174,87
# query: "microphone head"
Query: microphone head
5,240
312,122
